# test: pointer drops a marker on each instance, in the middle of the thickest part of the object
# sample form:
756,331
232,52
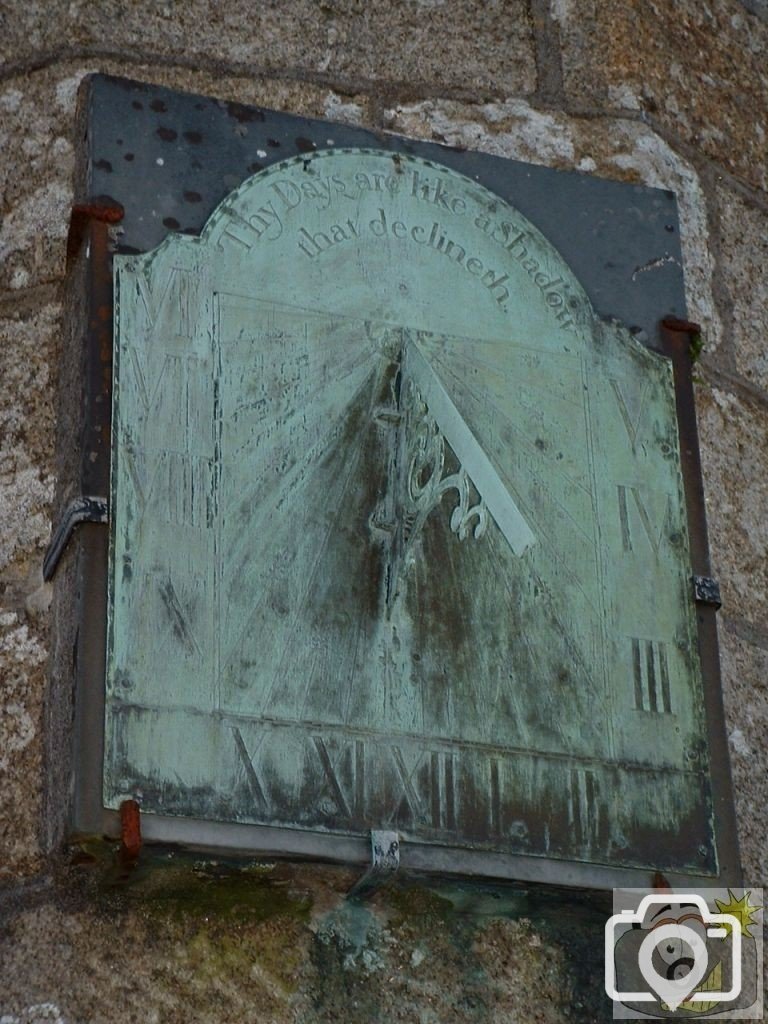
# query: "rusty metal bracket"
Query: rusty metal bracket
82,510
385,861
102,209
130,832
706,591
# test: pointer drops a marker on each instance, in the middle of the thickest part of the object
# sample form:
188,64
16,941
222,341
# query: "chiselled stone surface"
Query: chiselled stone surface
36,125
745,675
616,148
28,356
697,69
22,671
35,134
421,41
734,448
279,945
27,370
743,261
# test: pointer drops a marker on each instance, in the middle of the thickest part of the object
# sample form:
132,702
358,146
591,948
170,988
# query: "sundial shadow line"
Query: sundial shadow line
480,400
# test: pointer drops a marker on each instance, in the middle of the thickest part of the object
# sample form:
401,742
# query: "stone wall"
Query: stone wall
669,94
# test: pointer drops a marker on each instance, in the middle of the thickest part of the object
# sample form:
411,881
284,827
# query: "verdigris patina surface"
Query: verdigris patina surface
398,531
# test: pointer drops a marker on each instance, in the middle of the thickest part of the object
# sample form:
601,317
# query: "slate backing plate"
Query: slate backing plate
168,159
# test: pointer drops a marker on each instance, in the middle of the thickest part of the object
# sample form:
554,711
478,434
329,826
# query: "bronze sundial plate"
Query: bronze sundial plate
399,533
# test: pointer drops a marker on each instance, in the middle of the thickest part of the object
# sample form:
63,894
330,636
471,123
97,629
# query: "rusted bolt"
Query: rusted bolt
673,323
102,211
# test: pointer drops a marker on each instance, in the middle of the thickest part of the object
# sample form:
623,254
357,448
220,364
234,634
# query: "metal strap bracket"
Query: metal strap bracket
707,591
385,860
84,509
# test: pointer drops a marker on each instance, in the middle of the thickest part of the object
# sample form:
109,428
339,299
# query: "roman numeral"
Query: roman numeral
176,289
182,629
631,422
634,508
331,777
494,822
350,805
172,367
247,761
408,791
442,790
650,673
583,805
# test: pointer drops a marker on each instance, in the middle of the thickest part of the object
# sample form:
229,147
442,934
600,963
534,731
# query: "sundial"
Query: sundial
398,539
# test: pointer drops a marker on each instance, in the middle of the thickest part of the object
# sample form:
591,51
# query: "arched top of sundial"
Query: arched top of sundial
408,240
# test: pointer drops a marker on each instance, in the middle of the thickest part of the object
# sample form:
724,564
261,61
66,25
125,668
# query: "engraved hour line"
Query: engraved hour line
573,649
171,363
496,389
288,478
469,453
313,365
319,662
282,451
495,824
185,495
471,694
173,606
